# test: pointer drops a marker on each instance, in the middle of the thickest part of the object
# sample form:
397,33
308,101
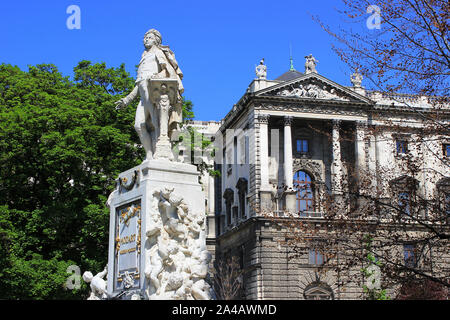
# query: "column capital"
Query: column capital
361,124
263,118
336,123
288,120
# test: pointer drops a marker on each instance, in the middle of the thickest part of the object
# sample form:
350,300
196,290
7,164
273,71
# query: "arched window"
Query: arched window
305,193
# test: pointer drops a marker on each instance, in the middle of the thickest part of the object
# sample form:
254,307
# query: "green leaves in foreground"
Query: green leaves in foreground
62,144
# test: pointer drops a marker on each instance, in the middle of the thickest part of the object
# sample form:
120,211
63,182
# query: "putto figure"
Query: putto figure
176,250
157,62
98,285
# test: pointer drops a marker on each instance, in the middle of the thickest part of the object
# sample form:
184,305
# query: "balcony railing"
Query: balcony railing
301,214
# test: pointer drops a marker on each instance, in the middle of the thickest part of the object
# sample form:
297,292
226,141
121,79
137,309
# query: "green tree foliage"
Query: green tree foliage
62,144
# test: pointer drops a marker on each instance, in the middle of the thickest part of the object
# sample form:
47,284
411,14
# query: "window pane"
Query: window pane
302,145
401,146
304,188
408,252
403,201
447,203
302,205
319,258
311,256
447,150
316,257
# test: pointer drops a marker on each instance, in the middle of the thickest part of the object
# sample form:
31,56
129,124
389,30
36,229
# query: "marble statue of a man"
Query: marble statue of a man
261,70
157,62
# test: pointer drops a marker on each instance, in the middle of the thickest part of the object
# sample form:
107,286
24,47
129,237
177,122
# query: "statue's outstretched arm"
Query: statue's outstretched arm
102,274
126,101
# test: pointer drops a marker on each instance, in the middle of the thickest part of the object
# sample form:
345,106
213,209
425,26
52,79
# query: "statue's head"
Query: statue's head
152,37
87,276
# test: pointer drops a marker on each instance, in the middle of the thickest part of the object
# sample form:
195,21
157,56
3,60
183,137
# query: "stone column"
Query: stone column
360,159
288,161
265,189
360,151
336,165
264,149
288,175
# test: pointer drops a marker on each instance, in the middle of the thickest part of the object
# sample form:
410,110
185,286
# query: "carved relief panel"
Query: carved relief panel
127,246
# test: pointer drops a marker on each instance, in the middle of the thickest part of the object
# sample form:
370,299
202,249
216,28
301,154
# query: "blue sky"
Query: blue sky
217,43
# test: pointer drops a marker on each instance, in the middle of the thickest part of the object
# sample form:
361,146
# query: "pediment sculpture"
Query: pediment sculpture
312,90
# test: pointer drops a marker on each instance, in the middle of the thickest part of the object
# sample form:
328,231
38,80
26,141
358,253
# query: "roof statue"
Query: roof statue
356,79
310,64
261,70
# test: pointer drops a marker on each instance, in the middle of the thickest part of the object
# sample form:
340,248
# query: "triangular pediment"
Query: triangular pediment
313,86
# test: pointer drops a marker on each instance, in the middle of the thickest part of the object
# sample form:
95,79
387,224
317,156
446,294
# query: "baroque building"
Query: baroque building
291,144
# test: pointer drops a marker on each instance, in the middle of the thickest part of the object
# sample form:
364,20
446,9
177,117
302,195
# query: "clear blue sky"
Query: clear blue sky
217,43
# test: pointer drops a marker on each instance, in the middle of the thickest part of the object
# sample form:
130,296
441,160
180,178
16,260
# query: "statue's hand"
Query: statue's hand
120,104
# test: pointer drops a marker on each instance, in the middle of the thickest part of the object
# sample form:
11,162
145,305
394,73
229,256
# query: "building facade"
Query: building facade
293,145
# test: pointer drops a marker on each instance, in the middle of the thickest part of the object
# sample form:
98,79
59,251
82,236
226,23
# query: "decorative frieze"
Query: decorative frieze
312,107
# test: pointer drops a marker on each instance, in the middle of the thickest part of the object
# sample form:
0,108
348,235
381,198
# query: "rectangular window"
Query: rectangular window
401,146
447,204
446,149
404,202
302,146
247,150
235,151
316,257
409,255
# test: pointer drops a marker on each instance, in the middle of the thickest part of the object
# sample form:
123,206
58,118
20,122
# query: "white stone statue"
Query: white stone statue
98,285
157,62
356,79
261,70
310,64
176,250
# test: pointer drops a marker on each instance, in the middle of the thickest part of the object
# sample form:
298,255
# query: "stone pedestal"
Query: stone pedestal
291,202
266,200
157,229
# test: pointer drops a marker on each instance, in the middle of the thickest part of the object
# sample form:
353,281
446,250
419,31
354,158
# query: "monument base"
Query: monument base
157,243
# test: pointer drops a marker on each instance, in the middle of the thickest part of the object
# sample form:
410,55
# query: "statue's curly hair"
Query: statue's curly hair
156,33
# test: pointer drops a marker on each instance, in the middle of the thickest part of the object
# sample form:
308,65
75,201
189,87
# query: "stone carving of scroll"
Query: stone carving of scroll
176,250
